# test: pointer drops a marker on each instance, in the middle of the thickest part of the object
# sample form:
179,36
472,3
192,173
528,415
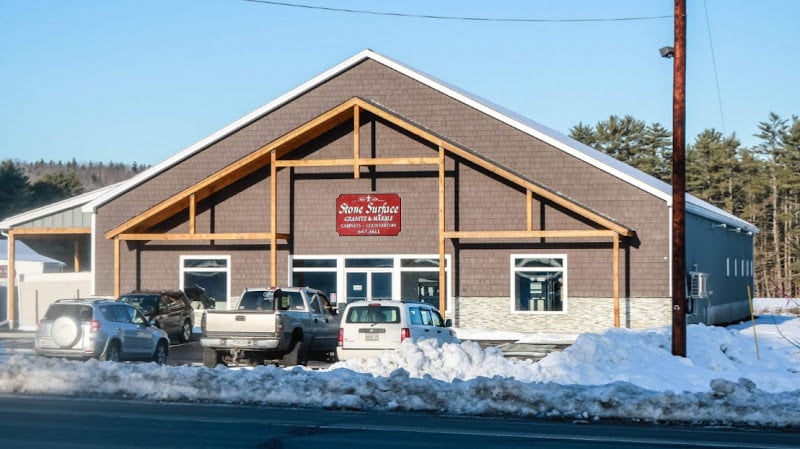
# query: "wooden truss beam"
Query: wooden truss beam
527,234
31,233
271,154
205,236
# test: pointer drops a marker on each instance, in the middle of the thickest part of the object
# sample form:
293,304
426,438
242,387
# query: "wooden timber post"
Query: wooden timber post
116,267
12,281
615,274
273,217
442,262
76,255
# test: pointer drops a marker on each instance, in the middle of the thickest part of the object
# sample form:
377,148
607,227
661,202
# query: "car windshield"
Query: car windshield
77,311
143,301
257,300
373,314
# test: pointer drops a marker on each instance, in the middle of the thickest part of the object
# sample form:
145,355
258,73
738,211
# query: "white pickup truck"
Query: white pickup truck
270,324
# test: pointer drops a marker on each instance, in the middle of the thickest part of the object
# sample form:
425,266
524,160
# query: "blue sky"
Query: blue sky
140,80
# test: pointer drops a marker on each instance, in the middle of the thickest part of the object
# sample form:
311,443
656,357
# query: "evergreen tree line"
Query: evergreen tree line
760,184
25,186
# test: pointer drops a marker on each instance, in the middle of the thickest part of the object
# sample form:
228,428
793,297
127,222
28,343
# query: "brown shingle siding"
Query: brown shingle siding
484,201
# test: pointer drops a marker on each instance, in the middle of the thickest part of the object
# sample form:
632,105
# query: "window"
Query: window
315,304
538,283
325,304
437,319
358,277
212,273
316,272
373,314
257,300
427,319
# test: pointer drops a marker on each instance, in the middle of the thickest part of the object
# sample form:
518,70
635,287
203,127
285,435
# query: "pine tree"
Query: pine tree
772,133
54,187
712,165
646,147
14,193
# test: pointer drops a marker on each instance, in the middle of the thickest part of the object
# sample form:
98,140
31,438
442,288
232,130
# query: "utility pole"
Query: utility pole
679,184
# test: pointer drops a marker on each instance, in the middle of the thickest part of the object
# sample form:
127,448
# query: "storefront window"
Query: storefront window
325,281
420,286
211,273
538,283
364,262
350,278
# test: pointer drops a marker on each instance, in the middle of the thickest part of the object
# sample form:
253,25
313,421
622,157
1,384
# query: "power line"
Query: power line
466,18
714,64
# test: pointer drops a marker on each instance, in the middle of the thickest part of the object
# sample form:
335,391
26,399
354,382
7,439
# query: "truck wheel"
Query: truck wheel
186,332
211,357
297,356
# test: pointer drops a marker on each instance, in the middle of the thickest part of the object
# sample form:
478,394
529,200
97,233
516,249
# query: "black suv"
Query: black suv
200,300
170,310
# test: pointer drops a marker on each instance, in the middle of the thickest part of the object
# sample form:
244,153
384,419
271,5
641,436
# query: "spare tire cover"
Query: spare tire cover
66,331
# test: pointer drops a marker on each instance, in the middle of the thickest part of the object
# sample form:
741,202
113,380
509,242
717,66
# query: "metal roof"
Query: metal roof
53,208
558,140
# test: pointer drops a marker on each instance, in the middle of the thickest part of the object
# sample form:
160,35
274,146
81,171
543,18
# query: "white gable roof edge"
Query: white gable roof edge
235,126
56,207
543,133
583,152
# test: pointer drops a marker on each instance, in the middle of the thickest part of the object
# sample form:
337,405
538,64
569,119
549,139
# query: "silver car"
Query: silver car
99,328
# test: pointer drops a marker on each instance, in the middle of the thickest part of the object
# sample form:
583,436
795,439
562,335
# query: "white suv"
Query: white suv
371,327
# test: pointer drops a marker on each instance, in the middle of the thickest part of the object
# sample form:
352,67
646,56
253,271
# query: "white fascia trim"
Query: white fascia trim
59,206
235,126
654,190
517,124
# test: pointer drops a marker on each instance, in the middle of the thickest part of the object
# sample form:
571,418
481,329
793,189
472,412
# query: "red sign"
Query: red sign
368,214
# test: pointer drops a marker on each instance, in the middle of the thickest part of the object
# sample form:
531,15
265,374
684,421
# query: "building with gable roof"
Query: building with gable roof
375,180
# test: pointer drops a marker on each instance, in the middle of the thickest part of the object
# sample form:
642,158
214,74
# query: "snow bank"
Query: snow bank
618,374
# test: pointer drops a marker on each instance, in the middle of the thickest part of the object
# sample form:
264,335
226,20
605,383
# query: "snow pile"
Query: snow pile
643,358
618,374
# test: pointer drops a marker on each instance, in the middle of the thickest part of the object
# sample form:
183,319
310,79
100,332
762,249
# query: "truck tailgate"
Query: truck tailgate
240,322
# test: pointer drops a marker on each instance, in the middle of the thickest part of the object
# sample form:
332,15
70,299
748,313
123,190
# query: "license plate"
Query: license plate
372,337
240,343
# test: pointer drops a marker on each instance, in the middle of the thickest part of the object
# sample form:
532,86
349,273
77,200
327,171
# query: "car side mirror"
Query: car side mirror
448,323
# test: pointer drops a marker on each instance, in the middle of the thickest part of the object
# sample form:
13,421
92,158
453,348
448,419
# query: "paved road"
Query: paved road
63,423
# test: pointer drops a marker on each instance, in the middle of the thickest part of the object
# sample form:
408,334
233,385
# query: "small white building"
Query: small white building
27,261
29,281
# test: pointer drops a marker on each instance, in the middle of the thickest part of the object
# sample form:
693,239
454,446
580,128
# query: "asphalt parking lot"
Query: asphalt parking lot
191,353
188,354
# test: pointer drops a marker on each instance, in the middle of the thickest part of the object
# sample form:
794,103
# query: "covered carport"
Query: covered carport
60,231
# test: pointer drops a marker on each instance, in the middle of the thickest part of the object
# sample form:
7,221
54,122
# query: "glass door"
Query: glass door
363,285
